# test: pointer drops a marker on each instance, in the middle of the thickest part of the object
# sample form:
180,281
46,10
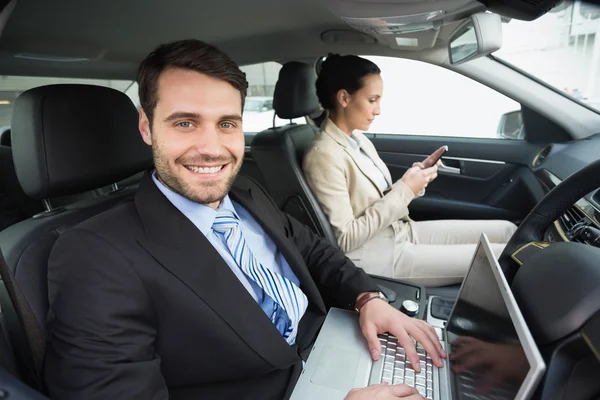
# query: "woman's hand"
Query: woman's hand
417,178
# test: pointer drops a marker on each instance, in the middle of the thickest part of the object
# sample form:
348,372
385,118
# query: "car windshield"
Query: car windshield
561,48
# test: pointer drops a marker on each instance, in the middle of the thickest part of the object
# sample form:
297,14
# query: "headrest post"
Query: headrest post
274,115
49,210
47,205
114,188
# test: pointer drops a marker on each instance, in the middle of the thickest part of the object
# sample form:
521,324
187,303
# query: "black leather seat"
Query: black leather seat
15,205
5,137
279,151
66,140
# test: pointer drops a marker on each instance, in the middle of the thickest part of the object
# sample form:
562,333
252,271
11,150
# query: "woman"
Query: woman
369,212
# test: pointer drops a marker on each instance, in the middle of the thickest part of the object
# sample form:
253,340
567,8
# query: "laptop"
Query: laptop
496,356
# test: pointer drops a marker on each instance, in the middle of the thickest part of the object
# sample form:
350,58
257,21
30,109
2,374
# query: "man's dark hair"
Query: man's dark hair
189,54
342,72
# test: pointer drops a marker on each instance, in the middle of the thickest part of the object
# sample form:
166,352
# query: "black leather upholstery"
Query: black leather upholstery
15,204
5,137
320,117
90,126
295,94
79,137
278,152
12,388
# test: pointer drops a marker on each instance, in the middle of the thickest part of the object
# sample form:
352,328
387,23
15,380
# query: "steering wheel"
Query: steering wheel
548,210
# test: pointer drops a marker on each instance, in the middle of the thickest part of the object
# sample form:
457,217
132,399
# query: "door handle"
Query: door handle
449,170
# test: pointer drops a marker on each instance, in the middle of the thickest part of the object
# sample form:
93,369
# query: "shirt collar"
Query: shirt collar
200,215
354,140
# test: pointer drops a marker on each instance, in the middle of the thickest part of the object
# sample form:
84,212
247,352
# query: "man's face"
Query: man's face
196,135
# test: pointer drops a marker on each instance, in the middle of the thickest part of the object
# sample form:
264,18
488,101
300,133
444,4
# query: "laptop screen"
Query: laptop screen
486,356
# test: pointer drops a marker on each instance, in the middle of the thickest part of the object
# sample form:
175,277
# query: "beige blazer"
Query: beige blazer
366,221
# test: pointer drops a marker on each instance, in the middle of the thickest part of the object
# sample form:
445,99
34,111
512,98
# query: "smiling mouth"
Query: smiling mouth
205,170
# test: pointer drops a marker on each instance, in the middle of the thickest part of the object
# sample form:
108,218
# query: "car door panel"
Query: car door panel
437,207
490,179
464,167
501,150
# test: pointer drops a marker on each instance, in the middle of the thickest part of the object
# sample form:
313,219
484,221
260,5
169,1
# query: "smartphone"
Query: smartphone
435,157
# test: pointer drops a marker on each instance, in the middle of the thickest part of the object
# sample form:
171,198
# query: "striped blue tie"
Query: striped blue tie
282,291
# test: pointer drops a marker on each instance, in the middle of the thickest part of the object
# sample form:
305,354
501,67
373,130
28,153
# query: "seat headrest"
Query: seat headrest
295,92
5,138
70,138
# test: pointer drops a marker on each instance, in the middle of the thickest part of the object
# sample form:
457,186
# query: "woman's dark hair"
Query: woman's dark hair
190,54
342,72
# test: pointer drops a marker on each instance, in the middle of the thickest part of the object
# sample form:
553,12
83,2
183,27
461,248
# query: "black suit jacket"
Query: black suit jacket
143,307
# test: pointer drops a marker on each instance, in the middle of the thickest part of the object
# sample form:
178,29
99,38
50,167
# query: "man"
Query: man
200,288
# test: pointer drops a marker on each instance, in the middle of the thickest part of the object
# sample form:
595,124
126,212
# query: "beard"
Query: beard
207,192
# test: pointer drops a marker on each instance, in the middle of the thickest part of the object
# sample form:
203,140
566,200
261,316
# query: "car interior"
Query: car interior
70,146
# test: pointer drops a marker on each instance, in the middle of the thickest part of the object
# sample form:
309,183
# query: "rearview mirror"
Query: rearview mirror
511,126
478,36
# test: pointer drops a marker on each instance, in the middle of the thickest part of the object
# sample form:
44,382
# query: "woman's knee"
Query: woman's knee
509,229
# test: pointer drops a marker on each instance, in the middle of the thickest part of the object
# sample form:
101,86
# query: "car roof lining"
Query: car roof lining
118,35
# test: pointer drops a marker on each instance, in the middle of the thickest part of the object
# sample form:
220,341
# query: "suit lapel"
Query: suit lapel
360,164
176,244
370,150
341,138
273,227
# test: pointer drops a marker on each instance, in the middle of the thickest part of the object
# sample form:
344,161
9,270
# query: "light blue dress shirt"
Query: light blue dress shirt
259,242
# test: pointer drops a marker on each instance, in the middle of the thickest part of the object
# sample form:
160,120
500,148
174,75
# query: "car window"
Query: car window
425,99
561,48
258,109
12,86
254,105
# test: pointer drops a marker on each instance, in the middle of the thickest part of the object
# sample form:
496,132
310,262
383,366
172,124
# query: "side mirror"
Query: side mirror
478,36
511,126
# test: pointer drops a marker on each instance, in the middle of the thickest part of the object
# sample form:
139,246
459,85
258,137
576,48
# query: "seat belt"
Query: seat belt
36,338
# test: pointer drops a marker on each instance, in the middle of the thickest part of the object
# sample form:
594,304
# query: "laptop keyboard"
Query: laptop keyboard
398,369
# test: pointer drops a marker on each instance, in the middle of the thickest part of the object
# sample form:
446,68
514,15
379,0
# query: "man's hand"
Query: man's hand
501,361
376,317
384,391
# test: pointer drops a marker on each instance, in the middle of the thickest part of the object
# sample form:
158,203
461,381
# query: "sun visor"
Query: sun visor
402,24
37,49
